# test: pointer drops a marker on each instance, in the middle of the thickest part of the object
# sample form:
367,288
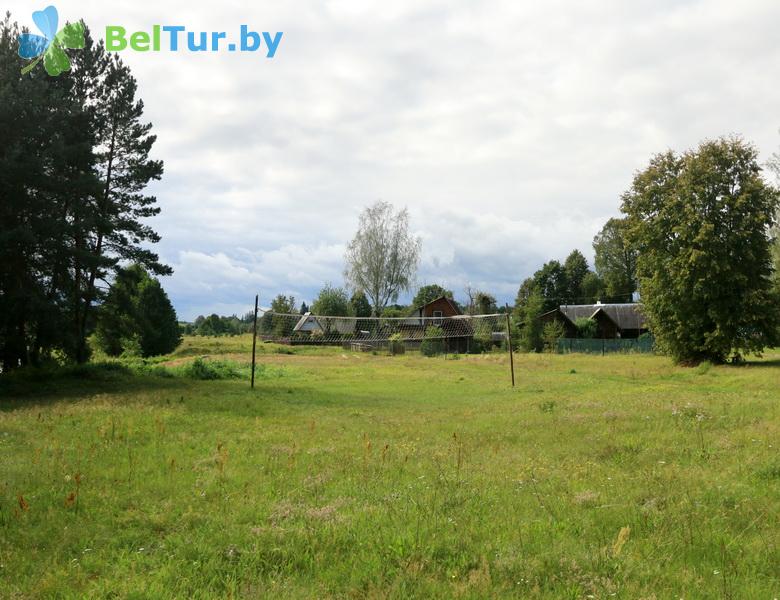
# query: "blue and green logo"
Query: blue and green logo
52,44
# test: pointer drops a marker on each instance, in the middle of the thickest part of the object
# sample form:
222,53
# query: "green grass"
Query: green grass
359,476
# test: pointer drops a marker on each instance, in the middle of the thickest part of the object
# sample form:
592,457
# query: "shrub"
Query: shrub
396,345
432,343
552,332
586,327
208,370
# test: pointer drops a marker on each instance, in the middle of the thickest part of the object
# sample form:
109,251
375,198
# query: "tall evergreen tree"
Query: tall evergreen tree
74,164
137,316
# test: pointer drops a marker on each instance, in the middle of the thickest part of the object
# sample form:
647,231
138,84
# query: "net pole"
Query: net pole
509,344
254,342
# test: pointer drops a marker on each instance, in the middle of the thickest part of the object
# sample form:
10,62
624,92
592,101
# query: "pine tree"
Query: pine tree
137,315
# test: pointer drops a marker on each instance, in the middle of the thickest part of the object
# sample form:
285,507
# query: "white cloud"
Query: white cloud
509,129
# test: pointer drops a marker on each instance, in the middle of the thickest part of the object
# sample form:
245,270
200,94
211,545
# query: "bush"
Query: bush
396,345
432,343
201,369
552,332
586,328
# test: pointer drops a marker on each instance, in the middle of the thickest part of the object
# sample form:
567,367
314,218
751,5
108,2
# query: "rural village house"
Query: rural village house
612,320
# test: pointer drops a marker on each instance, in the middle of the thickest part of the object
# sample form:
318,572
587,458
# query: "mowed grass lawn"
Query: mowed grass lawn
348,475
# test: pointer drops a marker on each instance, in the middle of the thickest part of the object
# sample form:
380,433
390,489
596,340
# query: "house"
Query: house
440,312
310,324
612,320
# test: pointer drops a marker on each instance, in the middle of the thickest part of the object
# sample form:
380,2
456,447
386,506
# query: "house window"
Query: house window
437,314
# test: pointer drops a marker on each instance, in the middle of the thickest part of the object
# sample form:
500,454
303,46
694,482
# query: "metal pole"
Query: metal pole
509,344
254,342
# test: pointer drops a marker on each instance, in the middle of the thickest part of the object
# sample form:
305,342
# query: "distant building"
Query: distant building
458,330
313,325
612,320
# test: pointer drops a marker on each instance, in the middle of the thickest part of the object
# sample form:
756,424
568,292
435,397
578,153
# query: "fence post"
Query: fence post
254,342
509,343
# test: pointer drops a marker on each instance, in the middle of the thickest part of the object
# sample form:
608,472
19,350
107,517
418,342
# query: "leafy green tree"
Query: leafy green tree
700,223
429,293
552,284
551,333
774,165
525,291
395,311
616,260
382,258
275,322
359,305
576,268
592,288
137,316
485,304
531,326
331,301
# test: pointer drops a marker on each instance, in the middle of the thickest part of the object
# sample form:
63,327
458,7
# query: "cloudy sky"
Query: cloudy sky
508,128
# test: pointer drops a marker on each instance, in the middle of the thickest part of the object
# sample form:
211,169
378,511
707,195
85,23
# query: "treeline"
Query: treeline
74,164
698,239
215,325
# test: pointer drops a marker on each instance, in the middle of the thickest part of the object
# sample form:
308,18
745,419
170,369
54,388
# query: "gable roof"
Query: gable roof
625,316
310,323
418,309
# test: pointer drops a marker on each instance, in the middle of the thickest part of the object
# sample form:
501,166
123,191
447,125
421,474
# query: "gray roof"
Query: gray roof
625,316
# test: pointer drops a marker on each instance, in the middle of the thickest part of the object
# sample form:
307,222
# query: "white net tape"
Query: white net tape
462,333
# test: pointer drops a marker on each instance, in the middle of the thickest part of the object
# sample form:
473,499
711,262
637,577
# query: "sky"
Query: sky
509,129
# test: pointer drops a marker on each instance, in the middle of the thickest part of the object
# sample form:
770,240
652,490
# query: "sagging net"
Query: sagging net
456,334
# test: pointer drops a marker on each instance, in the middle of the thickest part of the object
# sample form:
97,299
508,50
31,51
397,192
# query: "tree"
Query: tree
700,223
553,285
46,165
527,288
74,164
586,327
774,165
304,309
576,268
111,225
429,293
592,288
331,301
382,258
276,322
359,305
157,318
616,260
551,333
137,316
531,326
485,304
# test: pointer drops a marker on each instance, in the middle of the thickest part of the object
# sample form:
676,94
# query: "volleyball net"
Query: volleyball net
460,333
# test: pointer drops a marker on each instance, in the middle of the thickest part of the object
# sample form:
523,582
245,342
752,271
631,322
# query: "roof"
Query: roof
417,309
311,323
625,316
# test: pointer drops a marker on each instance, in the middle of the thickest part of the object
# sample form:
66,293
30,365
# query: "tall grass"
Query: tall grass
356,476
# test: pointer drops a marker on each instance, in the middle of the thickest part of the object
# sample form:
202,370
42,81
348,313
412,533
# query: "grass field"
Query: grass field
364,476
